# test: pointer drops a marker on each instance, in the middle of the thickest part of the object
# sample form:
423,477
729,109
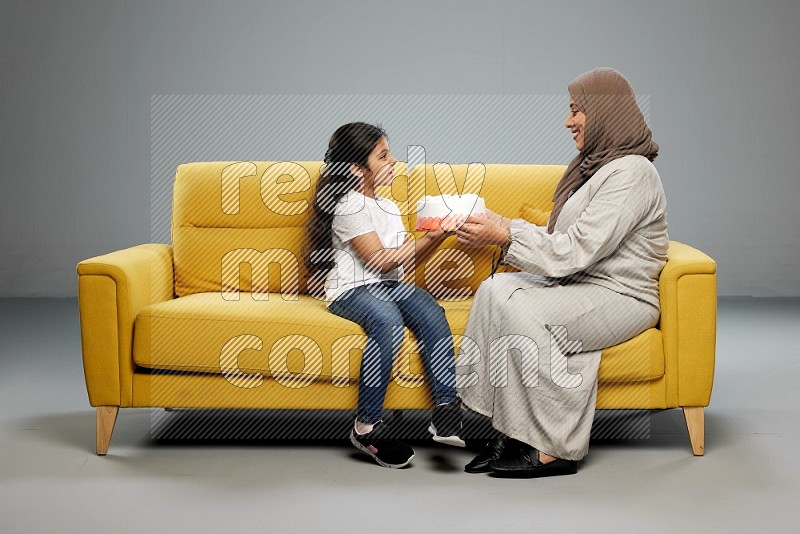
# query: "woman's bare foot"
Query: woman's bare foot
546,458
543,456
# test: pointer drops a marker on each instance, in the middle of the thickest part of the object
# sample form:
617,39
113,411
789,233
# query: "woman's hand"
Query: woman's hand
493,217
479,232
496,218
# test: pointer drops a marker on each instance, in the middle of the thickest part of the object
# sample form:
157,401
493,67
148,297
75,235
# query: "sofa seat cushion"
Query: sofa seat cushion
300,341
637,360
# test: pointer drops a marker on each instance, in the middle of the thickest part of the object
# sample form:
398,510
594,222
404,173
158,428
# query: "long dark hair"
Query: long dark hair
351,143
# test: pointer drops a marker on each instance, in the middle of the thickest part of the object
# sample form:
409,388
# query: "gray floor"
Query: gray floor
52,481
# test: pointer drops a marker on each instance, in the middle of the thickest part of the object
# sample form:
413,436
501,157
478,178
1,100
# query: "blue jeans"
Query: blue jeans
383,309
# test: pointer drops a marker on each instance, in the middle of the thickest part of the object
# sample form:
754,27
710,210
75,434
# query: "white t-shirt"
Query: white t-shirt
355,215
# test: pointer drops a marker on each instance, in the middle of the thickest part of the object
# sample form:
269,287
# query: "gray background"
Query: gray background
78,79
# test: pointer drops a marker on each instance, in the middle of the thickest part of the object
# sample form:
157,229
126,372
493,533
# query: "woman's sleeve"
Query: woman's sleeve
615,210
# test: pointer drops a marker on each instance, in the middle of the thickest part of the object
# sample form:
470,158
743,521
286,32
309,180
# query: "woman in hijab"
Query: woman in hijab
587,281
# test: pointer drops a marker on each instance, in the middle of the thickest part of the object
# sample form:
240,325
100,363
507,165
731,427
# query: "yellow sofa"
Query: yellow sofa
225,317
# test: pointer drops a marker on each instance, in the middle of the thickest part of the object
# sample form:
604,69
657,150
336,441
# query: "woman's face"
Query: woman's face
576,122
380,164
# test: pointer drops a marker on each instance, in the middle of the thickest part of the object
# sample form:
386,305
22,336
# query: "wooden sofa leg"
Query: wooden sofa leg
106,417
695,423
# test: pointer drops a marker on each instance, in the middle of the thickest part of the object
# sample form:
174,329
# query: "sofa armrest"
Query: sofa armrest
688,294
112,289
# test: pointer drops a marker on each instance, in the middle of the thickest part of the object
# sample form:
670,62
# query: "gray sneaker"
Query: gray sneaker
386,451
447,422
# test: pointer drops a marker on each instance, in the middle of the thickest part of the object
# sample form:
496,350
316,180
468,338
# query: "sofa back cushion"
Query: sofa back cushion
241,226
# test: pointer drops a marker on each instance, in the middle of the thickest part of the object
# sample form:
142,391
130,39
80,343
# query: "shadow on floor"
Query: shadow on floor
158,428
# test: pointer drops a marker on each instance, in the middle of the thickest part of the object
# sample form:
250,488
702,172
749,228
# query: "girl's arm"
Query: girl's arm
370,249
424,250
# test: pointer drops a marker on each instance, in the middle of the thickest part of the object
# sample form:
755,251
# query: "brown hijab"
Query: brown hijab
615,127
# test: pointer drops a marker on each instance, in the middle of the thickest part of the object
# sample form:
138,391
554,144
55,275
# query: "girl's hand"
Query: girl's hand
439,233
479,232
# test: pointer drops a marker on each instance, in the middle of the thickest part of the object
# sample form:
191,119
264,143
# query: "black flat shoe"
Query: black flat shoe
522,461
493,450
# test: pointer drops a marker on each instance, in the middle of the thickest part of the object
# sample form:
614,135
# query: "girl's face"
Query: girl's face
576,122
380,164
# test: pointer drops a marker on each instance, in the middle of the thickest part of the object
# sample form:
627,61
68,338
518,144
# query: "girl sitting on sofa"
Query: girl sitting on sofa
356,237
